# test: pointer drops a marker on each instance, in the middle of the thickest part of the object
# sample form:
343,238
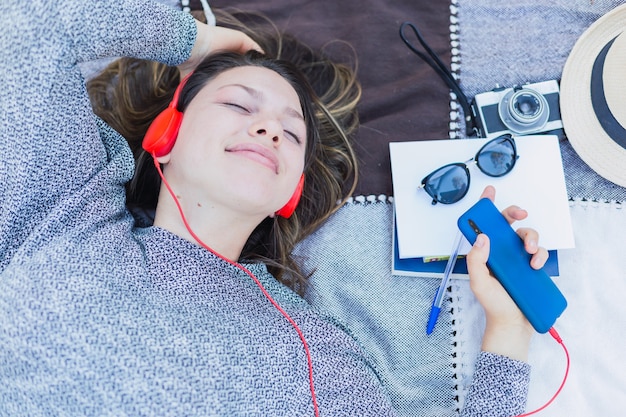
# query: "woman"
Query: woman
331,173
100,317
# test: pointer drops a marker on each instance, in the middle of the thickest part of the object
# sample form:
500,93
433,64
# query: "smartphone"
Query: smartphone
533,290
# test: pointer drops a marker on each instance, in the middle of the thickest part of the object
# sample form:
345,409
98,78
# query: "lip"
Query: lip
257,153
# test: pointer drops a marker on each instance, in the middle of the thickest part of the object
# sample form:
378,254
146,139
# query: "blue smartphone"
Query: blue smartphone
533,290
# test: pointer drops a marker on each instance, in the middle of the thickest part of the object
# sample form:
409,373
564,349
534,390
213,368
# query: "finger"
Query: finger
514,213
540,258
530,238
225,39
247,44
489,192
477,263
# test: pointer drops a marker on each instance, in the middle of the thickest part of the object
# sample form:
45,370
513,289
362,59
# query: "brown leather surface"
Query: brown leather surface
403,98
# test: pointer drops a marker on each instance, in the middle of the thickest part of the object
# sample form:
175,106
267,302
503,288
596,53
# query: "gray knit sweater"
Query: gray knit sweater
99,317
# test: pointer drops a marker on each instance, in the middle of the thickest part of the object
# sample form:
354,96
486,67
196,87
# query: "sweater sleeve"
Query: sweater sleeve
136,28
49,138
499,388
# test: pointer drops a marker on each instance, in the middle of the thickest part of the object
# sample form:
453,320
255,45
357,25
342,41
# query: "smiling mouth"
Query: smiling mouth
256,153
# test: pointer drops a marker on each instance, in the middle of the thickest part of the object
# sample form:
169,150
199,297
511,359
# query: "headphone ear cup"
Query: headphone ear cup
287,210
163,131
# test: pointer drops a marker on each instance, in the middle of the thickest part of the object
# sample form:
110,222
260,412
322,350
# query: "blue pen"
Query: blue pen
438,301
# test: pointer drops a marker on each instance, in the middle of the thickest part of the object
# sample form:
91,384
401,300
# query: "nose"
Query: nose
267,129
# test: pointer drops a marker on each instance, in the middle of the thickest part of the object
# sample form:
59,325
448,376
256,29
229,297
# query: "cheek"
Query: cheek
204,131
295,155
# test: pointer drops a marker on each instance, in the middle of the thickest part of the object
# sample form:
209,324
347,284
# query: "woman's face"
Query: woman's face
241,144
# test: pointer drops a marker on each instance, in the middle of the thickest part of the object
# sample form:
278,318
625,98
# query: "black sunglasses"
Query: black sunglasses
450,183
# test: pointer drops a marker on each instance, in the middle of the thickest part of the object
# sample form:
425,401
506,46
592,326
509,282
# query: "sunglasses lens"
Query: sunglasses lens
448,184
497,157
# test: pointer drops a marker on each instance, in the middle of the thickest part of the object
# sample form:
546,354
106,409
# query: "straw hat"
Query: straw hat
593,96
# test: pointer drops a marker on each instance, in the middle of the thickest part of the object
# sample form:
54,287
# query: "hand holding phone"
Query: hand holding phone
532,290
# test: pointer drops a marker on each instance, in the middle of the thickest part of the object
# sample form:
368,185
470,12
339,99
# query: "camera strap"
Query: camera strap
446,75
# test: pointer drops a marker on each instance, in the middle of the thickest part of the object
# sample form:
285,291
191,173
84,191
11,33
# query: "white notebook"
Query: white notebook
536,183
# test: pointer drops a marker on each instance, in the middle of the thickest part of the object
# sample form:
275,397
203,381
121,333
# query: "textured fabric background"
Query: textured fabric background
521,41
350,256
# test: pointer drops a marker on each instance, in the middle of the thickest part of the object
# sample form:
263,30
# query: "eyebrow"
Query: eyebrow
260,96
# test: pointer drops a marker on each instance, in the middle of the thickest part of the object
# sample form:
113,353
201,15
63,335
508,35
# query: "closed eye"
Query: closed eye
292,136
237,106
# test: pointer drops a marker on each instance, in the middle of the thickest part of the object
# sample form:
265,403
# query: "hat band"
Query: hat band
598,100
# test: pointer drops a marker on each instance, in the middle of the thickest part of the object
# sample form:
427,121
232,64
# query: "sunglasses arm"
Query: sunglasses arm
421,186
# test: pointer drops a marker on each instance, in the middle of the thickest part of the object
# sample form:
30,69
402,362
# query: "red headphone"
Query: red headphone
163,131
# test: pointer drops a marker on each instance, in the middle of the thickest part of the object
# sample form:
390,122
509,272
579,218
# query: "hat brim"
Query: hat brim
593,132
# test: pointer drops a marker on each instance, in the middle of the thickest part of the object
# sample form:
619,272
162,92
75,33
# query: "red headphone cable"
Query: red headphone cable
256,281
556,337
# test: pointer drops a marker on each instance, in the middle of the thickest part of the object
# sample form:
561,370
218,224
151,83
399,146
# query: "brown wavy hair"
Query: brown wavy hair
129,93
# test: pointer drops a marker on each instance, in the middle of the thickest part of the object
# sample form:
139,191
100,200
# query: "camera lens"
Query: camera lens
525,107
523,110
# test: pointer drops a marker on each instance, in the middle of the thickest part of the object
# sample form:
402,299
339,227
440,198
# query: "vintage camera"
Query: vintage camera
520,110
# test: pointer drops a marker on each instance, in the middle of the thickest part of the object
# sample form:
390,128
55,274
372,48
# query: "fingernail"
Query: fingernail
532,244
480,241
